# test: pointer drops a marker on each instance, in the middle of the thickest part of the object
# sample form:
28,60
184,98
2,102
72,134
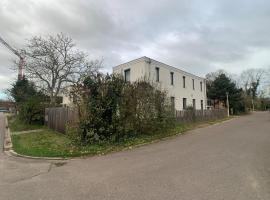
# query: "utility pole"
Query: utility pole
228,105
252,104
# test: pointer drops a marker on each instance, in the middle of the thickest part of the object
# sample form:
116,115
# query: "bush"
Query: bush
111,110
30,103
31,111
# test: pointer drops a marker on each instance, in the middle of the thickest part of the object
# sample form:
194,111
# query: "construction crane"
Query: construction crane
21,61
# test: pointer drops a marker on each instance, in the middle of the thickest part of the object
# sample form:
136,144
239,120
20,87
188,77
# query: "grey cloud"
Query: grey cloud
198,36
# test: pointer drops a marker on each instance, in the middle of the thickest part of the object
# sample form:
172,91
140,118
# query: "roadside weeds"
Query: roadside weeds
103,149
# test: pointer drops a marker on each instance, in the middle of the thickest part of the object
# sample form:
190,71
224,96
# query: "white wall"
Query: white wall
137,69
66,100
145,68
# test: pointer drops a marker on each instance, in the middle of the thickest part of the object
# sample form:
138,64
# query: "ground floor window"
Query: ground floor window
173,103
194,104
201,104
184,103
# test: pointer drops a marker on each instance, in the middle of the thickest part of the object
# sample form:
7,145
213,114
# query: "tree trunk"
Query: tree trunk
52,100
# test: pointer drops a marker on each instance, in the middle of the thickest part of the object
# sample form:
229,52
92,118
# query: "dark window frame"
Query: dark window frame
201,104
184,103
184,82
194,104
173,102
125,75
193,84
172,78
157,74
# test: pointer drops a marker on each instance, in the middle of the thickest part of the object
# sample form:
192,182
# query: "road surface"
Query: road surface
2,129
221,162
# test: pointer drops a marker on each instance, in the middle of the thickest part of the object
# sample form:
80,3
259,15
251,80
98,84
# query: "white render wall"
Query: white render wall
137,69
145,69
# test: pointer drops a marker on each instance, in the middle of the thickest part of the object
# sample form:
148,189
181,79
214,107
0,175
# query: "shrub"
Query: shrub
30,103
111,110
31,111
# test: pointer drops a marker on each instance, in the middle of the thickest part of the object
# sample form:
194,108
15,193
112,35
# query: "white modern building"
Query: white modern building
184,89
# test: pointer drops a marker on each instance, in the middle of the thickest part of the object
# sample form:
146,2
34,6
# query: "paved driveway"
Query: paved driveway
225,161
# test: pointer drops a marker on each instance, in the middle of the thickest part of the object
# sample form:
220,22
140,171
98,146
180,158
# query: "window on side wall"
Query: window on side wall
184,82
172,78
201,86
127,75
201,104
194,104
173,103
193,84
184,103
157,74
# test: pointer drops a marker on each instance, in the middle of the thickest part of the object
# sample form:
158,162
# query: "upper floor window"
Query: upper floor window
171,78
201,86
193,84
157,74
127,75
184,82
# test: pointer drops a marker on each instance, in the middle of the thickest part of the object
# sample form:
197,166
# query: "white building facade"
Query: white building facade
184,89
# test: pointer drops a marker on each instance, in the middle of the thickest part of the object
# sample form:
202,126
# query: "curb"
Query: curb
11,152
7,138
8,150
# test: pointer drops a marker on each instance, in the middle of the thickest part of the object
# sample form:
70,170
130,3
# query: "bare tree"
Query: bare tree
250,80
54,63
267,82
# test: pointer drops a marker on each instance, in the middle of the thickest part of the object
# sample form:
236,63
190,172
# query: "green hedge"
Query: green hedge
111,109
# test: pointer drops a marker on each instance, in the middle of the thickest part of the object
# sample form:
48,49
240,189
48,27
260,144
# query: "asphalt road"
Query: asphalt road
221,162
2,129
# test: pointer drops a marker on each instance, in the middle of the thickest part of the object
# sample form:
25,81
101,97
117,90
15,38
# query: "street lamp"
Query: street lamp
228,105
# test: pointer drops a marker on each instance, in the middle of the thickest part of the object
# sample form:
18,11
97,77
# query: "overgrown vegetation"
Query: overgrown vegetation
52,144
15,124
111,109
30,103
53,63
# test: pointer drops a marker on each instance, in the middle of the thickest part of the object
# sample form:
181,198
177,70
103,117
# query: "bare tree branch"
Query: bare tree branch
54,63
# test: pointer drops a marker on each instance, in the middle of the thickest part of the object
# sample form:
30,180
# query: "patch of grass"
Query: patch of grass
49,143
15,125
44,143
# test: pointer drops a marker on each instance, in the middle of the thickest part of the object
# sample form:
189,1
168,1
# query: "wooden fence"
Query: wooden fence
57,118
200,115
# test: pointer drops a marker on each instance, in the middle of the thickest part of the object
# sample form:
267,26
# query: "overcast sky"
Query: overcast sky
198,36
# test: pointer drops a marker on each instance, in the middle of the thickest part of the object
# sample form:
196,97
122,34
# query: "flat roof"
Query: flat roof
145,58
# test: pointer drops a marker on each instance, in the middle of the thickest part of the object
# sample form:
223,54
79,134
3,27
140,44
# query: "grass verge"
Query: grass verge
16,125
48,143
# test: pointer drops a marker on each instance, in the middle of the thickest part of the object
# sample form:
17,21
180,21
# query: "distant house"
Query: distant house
7,106
184,89
66,99
215,104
